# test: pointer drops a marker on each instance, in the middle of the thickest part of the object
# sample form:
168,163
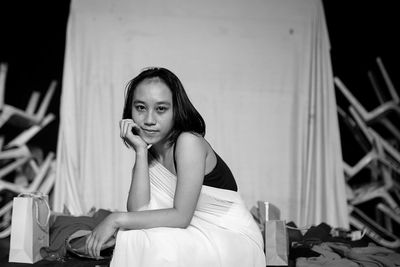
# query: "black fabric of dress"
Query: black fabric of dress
221,176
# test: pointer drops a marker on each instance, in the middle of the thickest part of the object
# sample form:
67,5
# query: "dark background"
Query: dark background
33,42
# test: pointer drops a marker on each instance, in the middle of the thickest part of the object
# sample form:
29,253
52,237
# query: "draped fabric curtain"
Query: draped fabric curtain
258,71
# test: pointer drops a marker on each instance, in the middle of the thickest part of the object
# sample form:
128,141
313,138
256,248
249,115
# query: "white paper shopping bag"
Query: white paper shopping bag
276,243
29,227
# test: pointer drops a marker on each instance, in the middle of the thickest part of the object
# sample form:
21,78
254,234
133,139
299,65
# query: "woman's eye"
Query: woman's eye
140,108
161,109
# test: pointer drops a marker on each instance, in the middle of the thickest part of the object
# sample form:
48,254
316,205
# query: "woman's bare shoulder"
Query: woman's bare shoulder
190,140
192,145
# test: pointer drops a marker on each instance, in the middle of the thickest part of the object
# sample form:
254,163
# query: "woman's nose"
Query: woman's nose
149,120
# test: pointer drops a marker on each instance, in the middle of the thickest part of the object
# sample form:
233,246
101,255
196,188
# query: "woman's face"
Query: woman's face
152,110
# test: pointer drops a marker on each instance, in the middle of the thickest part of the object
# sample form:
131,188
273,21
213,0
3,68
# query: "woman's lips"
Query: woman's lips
150,132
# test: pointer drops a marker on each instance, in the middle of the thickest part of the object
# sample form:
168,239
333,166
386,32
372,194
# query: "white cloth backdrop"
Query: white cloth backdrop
258,71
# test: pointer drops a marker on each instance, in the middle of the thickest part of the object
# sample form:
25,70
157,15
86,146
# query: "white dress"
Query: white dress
222,232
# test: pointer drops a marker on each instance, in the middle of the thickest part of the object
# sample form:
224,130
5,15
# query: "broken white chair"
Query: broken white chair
32,114
364,162
388,81
372,150
387,151
378,114
3,75
356,132
381,98
388,208
18,154
372,191
26,135
372,229
36,181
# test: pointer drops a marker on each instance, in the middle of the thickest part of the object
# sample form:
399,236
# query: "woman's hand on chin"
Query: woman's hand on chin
129,132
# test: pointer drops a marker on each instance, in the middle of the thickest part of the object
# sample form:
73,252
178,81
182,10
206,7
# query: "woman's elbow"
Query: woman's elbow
183,225
184,221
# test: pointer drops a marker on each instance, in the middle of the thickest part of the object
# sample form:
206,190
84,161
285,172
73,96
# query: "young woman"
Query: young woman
183,205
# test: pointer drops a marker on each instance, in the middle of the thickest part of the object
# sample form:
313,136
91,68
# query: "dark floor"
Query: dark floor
70,261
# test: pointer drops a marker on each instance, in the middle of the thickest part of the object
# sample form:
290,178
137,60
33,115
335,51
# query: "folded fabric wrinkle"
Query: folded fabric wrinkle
327,258
64,227
372,254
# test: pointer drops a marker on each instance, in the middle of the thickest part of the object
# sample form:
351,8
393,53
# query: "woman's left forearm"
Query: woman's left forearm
150,219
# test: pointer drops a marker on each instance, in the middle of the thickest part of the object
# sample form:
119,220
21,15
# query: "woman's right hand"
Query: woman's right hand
130,139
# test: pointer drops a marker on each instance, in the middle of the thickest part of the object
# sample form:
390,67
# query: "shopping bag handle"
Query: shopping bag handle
41,196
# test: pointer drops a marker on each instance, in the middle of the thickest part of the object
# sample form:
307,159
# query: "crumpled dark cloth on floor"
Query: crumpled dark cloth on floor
63,227
371,255
340,254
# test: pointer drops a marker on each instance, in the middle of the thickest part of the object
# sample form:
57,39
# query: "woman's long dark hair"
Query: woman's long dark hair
186,117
